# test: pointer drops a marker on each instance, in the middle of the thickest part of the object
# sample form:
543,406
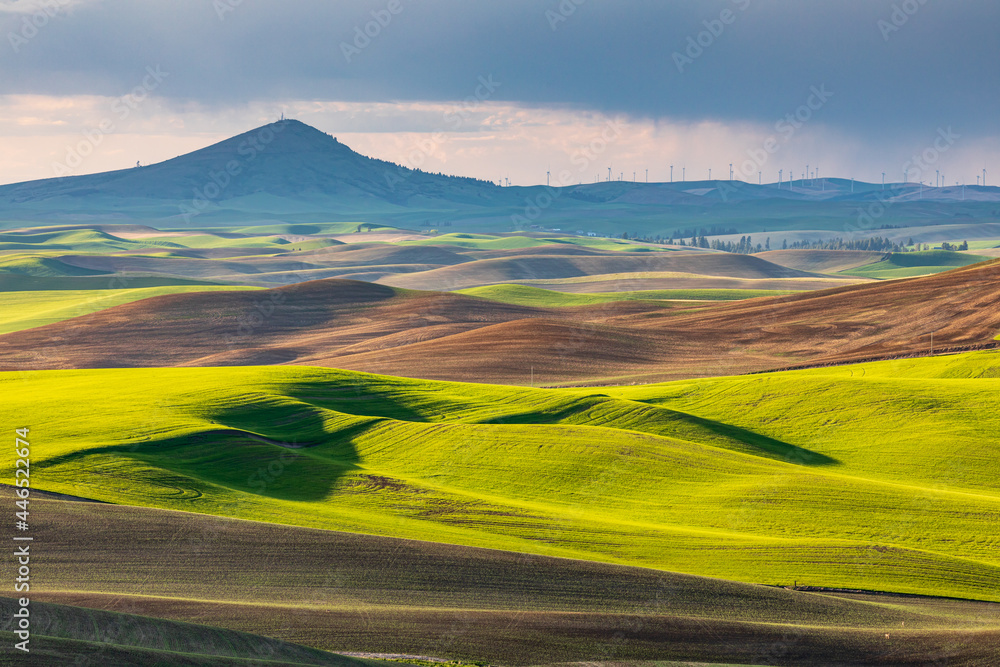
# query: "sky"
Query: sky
514,89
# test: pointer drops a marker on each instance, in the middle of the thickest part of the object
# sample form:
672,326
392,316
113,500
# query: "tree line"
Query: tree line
746,246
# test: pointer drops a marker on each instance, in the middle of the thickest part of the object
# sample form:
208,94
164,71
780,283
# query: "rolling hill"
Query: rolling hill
24,309
906,264
822,261
551,266
824,477
271,256
361,326
64,635
361,593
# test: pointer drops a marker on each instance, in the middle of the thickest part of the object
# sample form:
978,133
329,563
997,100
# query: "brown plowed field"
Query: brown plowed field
362,326
350,592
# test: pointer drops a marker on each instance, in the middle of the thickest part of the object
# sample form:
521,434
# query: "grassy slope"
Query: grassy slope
14,282
95,241
40,265
644,280
524,295
28,309
64,635
841,481
505,242
909,264
349,592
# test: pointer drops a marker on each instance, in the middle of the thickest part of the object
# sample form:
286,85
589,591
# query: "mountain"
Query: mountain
290,171
285,160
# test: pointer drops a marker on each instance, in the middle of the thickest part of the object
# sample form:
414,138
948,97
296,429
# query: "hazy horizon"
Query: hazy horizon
853,89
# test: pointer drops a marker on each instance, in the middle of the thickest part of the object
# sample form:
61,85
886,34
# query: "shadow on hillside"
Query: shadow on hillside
360,397
234,459
674,424
766,447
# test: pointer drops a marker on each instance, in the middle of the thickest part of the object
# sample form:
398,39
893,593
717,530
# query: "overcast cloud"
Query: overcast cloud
896,72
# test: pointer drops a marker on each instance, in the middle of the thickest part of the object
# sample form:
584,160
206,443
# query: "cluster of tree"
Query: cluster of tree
875,243
635,236
746,246
395,171
714,230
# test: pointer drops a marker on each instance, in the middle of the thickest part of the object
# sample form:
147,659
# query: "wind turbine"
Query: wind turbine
759,182
647,175
609,174
730,171
547,174
780,174
709,173
883,180
937,177
684,175
672,174
984,178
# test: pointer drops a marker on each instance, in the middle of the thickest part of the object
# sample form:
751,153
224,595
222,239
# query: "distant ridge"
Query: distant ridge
289,168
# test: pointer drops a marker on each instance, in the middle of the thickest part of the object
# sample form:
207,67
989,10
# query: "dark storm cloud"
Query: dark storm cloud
894,66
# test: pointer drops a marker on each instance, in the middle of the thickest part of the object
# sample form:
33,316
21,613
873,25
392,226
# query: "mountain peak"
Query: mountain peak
282,136
276,163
